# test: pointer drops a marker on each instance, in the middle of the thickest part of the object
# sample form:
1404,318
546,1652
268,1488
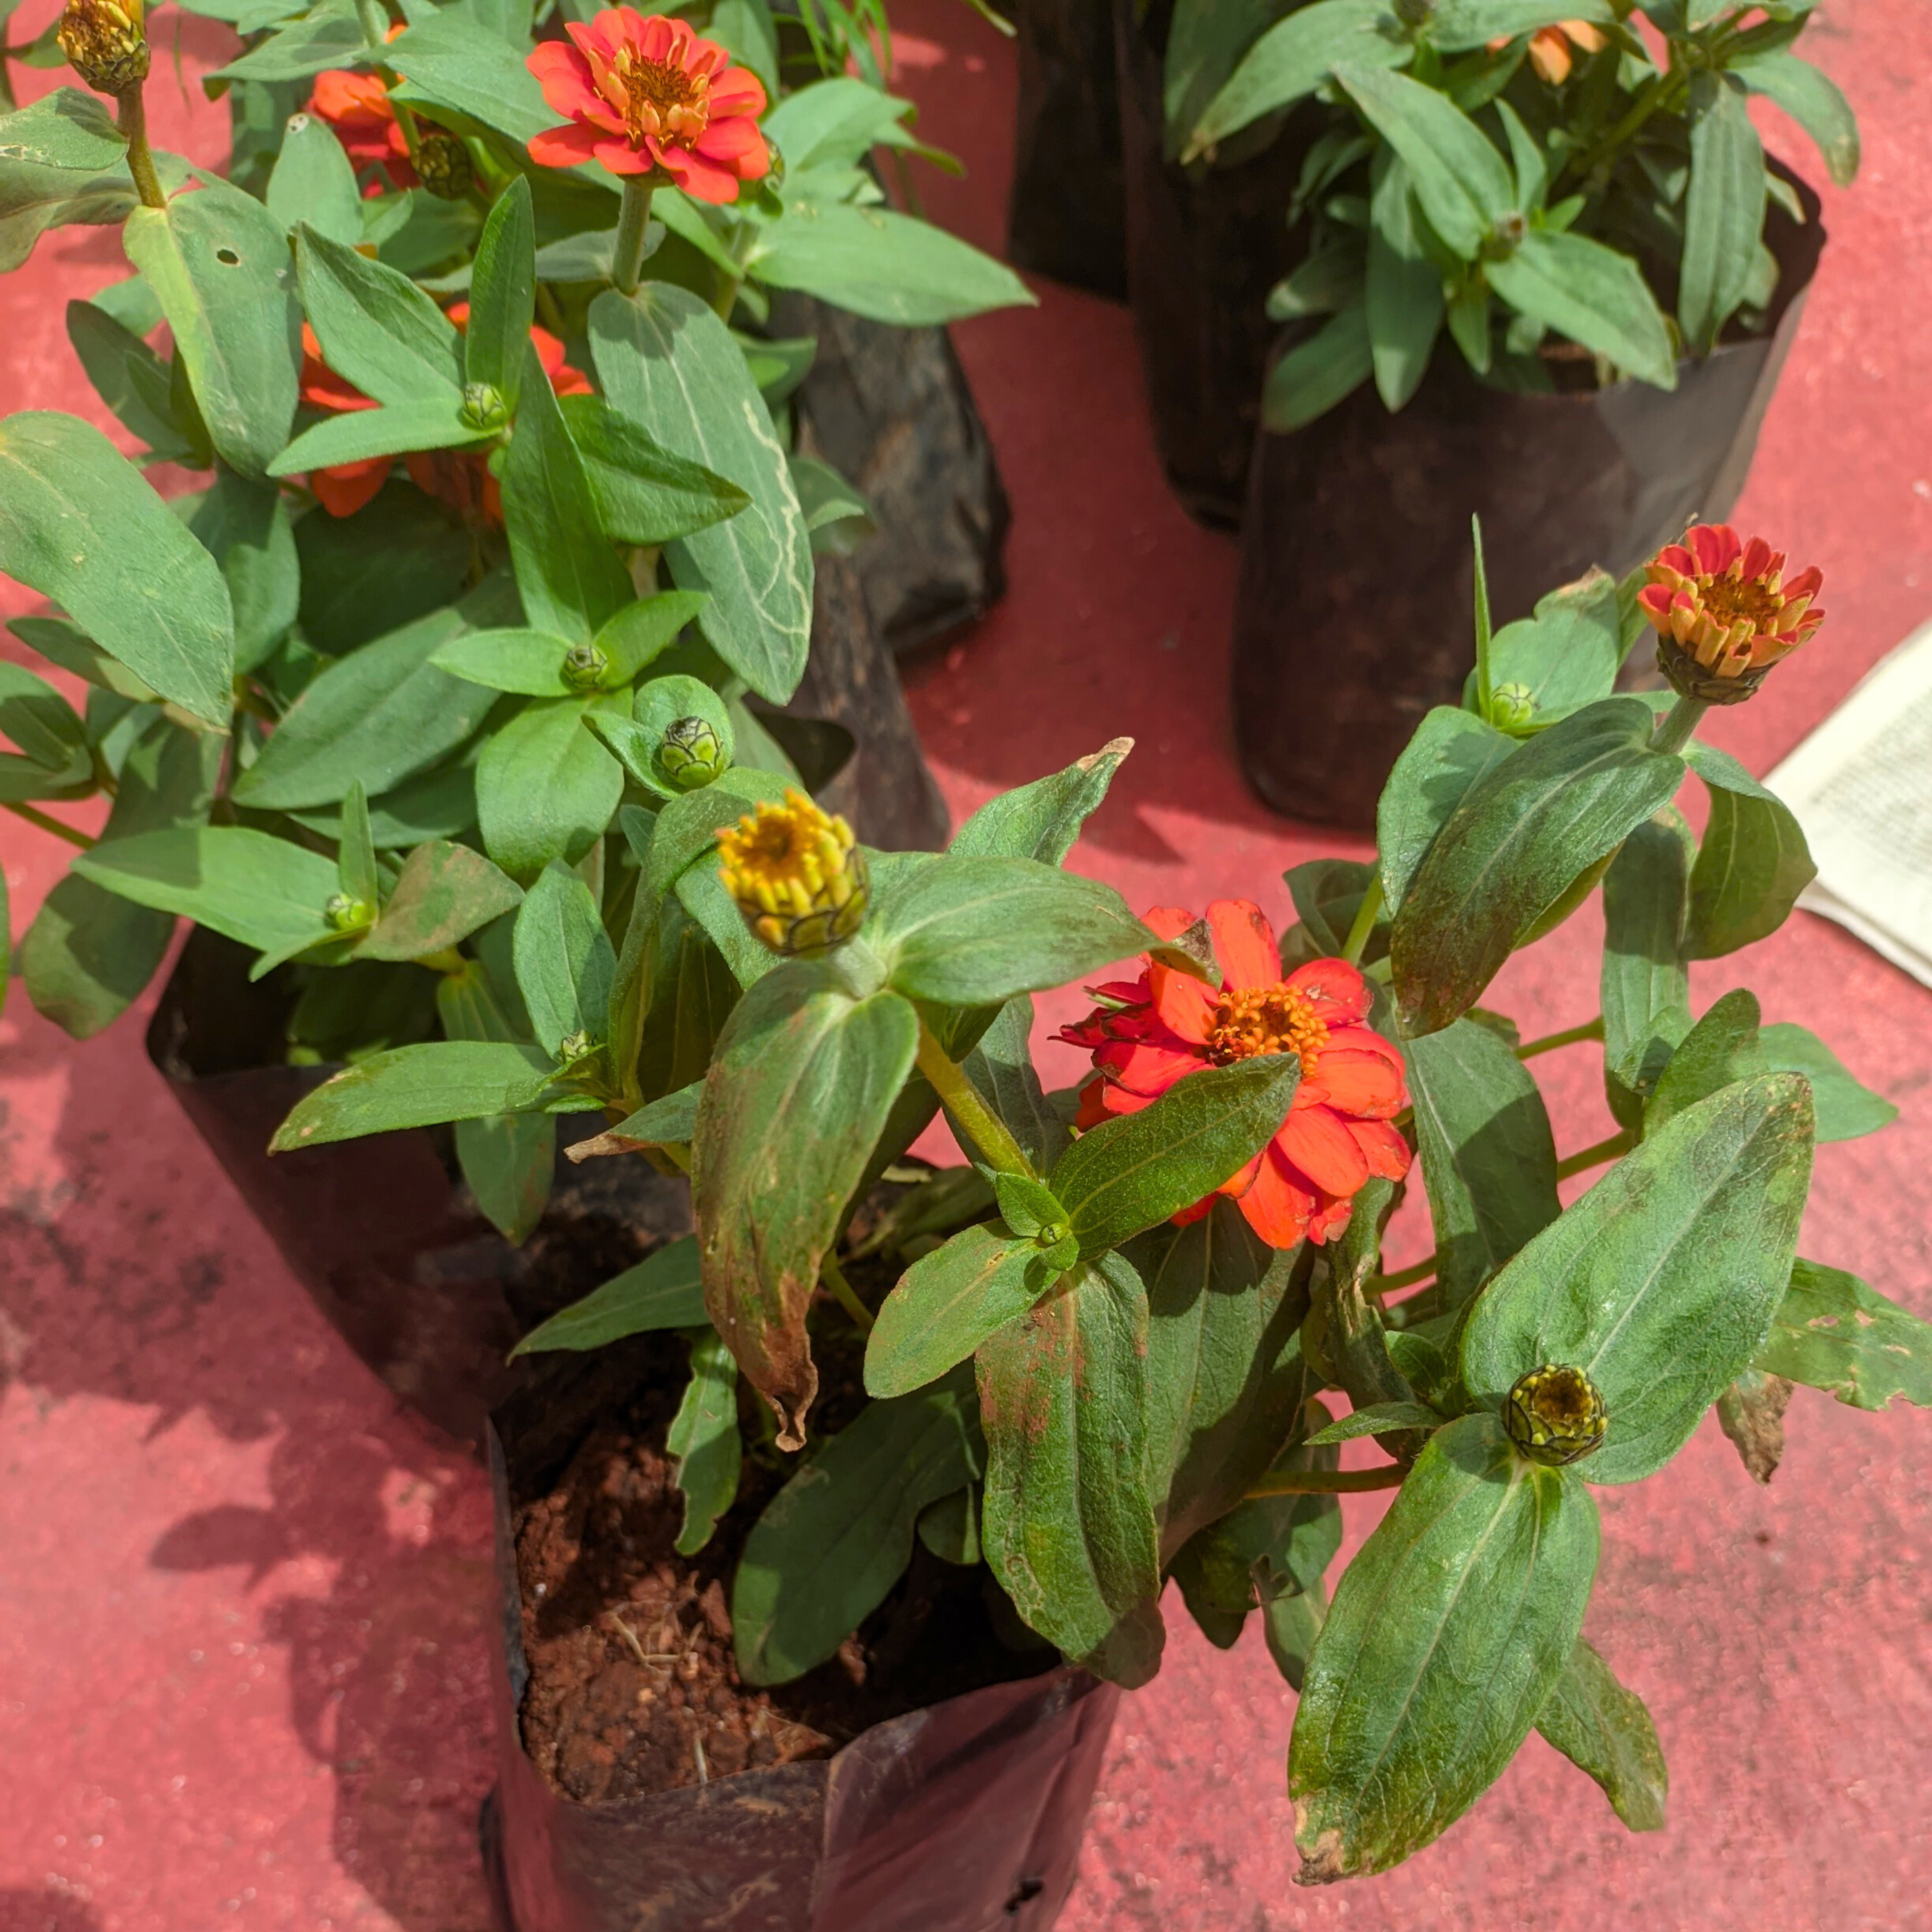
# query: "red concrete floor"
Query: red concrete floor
242,1674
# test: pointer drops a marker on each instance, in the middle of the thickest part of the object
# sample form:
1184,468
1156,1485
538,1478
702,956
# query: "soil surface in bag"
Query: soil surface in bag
633,1685
1067,214
1351,608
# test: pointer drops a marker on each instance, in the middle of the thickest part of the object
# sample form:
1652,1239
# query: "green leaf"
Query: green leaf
644,494
1567,654
1724,210
64,643
1028,1206
1135,1171
399,429
502,295
1446,1636
244,527
1488,1156
381,715
1461,26
1661,1282
945,1305
643,631
1833,1332
569,576
1041,820
219,262
1450,750
530,662
704,1442
1721,1049
1846,1108
1294,57
671,1121
398,558
1069,1528
355,856
324,39
834,1540
420,1086
836,123
1812,99
1752,865
974,931
545,788
1645,987
664,1291
1260,1553
62,159
1511,848
1593,294
89,953
132,381
770,1201
1315,374
377,329
451,61
80,525
1226,1380
1000,1066
1205,44
53,759
1403,295
665,360
564,960
1605,1732
508,1161
444,893
1462,183
1377,1419
314,181
886,266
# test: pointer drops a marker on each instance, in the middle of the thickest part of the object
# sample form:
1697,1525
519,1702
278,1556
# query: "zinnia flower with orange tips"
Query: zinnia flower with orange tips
1146,1034
357,106
1549,47
1723,613
647,96
458,478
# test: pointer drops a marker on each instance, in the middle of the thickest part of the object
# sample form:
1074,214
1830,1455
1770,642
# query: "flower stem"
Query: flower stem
1367,914
133,124
634,221
48,824
1678,725
1326,1482
726,299
832,1277
1407,1277
1586,1158
984,1128
1572,1036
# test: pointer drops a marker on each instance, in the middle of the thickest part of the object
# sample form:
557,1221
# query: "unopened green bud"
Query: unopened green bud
1512,705
1505,238
105,43
573,1047
444,165
1554,1415
691,753
347,913
484,409
583,667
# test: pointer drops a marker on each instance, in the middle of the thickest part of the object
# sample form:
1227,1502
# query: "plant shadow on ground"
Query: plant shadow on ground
129,1270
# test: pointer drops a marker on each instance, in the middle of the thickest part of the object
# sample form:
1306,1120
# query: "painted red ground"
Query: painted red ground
242,1675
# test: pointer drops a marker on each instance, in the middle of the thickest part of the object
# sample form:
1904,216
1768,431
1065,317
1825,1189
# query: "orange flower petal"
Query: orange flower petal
1342,991
346,487
1185,1007
566,147
1317,1141
1244,945
1364,1085
1383,1147
1278,1205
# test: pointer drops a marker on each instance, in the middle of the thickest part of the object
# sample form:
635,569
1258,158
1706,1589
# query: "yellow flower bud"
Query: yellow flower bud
1555,1415
797,875
105,43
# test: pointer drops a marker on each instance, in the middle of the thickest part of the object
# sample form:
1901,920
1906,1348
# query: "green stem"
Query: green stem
1586,1158
726,299
634,221
1678,725
1366,915
1407,1277
1327,1482
982,1126
47,824
134,122
447,960
843,1292
1571,1036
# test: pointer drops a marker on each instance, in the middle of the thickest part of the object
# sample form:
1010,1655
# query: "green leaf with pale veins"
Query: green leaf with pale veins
1447,1636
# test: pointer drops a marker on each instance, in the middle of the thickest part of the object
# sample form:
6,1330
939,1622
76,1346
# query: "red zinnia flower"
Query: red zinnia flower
644,95
357,106
459,477
1149,1032
1726,608
1549,47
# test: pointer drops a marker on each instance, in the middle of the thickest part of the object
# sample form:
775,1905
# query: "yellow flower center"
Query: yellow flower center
661,98
1756,600
795,874
1266,1019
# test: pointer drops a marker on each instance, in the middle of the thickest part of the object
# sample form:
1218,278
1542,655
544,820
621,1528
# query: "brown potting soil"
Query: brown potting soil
633,1685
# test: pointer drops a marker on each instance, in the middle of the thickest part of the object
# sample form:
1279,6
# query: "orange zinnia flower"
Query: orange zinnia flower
648,96
357,106
1145,1034
1549,47
459,477
1724,612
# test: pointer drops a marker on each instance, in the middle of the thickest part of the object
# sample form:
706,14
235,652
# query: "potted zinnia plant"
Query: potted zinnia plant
459,530
1550,279
822,1558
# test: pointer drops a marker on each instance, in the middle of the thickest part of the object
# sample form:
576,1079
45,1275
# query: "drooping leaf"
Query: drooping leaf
545,788
664,1290
1294,57
1752,865
1812,99
1604,1730
1661,1282
1645,986
1041,820
419,1086
1723,209
1446,1636
565,961
703,1441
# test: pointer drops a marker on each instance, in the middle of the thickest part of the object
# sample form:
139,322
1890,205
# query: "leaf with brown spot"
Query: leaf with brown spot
796,1096
1751,1413
1834,1332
